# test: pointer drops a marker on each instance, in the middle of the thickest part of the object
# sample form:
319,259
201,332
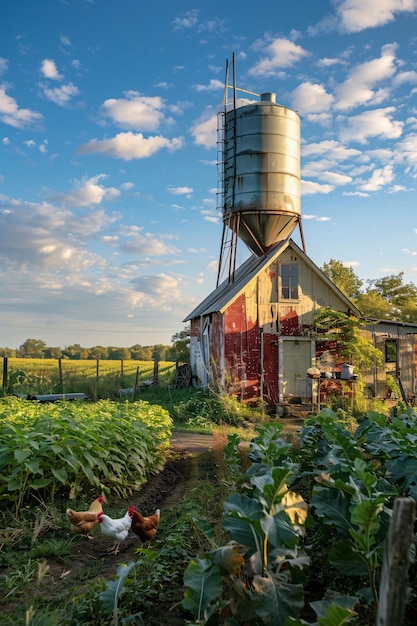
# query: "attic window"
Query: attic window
289,282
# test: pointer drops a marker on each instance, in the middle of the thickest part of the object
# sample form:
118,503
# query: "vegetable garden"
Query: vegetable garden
279,530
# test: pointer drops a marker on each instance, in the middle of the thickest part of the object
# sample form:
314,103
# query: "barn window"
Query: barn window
391,351
289,282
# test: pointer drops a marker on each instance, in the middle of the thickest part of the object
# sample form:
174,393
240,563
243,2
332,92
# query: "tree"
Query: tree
141,353
119,354
343,329
53,353
99,352
401,297
343,277
159,352
372,305
32,349
75,352
180,350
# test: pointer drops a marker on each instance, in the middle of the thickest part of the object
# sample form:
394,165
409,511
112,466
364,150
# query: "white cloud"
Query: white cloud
375,123
135,111
129,146
214,85
133,241
357,15
50,70
379,179
281,53
11,114
311,98
179,191
61,95
87,192
309,188
358,88
4,65
407,153
204,131
333,150
187,21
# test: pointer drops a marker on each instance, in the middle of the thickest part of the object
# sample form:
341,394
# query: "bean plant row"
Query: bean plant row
46,449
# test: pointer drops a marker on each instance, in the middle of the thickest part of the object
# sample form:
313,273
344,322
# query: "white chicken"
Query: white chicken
117,529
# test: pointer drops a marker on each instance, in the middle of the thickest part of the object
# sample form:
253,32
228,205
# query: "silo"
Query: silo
261,172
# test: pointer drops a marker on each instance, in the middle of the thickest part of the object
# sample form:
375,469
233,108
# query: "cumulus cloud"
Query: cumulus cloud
204,131
359,87
35,235
134,241
333,150
129,146
311,98
281,53
135,111
50,70
214,85
375,123
87,192
13,115
379,179
61,95
309,188
357,15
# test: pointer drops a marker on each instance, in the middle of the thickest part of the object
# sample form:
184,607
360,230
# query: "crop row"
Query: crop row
67,446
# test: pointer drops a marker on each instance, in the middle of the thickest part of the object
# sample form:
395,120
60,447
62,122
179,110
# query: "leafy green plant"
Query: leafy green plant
260,567
65,446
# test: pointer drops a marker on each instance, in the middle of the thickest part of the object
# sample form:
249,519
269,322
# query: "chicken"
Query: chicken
83,521
117,529
145,527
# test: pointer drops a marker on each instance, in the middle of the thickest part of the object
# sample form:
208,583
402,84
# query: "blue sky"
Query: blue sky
109,228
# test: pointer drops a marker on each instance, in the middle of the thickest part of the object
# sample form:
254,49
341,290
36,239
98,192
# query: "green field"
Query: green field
97,379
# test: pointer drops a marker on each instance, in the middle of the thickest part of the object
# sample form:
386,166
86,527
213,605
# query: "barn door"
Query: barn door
296,360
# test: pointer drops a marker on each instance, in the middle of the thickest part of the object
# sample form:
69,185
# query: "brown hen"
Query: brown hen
145,527
83,521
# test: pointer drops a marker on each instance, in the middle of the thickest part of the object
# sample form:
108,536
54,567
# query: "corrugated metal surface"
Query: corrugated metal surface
262,173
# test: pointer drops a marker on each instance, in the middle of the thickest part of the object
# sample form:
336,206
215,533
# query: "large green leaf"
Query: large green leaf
228,559
204,585
60,474
347,560
274,598
331,506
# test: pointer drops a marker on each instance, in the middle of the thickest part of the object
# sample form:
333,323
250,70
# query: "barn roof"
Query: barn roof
219,299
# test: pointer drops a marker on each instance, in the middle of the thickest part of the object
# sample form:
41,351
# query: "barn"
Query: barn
254,336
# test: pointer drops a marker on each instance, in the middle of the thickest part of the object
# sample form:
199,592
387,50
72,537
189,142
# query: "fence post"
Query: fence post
155,372
5,367
394,575
61,378
135,388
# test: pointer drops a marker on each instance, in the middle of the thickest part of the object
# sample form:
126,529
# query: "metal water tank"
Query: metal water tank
261,172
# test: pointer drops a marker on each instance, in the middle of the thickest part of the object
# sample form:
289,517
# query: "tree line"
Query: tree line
386,298
37,349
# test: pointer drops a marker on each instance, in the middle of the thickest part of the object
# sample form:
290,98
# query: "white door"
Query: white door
296,360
